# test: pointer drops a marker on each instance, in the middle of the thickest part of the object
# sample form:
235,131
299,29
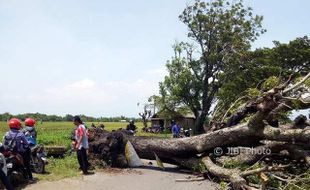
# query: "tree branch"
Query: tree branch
285,91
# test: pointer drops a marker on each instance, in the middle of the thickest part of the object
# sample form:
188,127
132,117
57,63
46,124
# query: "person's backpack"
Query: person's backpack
10,142
30,135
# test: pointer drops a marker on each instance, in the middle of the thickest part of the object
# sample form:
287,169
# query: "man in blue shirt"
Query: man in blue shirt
175,130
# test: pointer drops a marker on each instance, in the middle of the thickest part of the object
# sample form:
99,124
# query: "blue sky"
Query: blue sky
101,58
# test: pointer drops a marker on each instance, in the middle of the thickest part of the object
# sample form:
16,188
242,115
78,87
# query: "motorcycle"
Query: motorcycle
6,184
38,159
3,165
185,133
14,166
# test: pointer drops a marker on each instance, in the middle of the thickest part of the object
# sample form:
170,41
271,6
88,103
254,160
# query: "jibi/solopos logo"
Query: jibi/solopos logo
218,151
233,151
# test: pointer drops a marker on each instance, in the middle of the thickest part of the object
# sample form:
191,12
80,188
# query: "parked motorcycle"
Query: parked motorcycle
38,159
6,184
12,165
3,165
15,167
185,133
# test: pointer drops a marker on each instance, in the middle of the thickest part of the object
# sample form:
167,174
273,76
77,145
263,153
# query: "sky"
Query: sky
102,58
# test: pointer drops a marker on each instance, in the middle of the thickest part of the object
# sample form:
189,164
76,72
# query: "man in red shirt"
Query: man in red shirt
80,143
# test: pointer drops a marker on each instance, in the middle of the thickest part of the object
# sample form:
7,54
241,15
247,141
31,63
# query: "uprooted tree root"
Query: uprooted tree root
241,160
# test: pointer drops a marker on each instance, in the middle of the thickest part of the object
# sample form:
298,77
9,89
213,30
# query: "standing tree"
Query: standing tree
220,32
145,115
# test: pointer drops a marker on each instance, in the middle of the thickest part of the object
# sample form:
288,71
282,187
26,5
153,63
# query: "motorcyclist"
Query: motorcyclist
16,141
30,132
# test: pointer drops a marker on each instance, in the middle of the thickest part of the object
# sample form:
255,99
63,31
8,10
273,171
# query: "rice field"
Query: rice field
58,133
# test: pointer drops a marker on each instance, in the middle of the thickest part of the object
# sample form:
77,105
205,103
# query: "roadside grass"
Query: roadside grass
58,134
60,168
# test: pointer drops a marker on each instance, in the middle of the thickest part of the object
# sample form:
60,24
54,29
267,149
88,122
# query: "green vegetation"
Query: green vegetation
262,69
59,168
200,168
223,185
58,133
56,118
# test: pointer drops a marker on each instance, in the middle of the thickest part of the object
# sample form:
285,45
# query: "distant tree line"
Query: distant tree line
68,117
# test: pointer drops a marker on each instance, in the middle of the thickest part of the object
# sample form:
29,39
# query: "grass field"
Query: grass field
58,133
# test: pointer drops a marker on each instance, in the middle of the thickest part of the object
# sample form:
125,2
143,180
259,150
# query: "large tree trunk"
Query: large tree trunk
189,152
199,123
167,149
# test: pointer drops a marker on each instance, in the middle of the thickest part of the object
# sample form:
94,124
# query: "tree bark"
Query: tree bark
183,148
199,122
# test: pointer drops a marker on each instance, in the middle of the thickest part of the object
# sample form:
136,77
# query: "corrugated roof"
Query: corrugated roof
175,114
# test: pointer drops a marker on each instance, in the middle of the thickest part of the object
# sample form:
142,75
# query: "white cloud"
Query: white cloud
88,97
82,84
139,87
84,96
78,91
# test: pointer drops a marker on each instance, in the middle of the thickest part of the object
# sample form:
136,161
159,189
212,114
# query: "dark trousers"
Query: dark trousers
82,158
5,181
26,157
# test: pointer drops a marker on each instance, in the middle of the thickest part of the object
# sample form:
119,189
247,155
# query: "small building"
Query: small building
186,121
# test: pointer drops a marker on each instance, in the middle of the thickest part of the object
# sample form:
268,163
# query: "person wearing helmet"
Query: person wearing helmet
15,141
30,132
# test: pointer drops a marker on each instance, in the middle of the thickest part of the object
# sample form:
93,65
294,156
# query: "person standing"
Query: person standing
175,129
80,144
131,127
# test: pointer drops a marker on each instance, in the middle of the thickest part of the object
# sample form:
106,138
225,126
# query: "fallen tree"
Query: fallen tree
286,146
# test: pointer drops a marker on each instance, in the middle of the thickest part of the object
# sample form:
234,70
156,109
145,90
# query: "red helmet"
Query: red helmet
14,123
30,122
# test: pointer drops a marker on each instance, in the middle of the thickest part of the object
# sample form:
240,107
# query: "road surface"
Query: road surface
147,178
